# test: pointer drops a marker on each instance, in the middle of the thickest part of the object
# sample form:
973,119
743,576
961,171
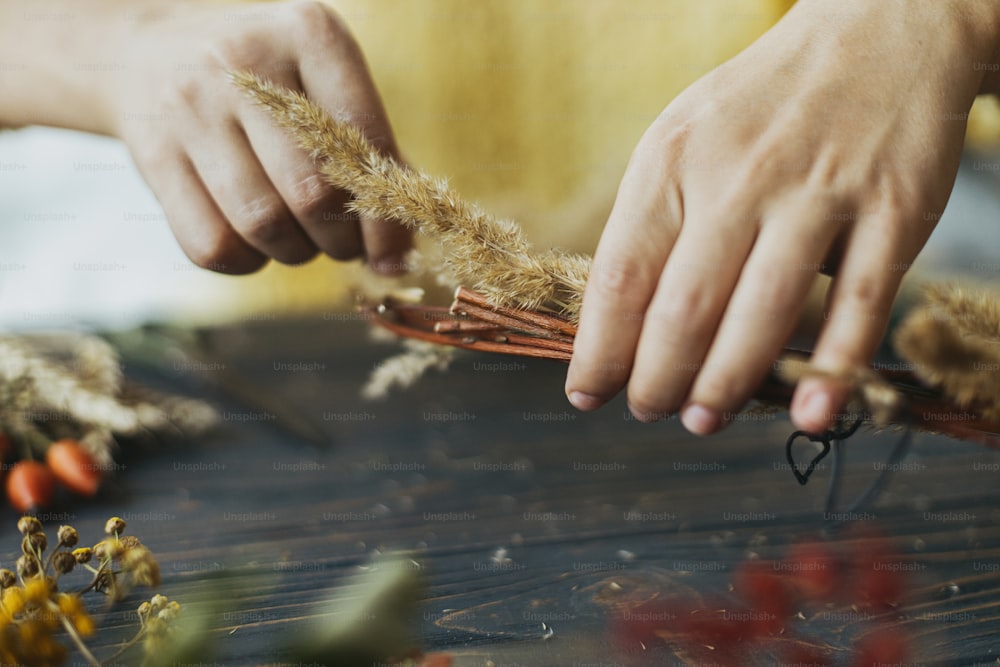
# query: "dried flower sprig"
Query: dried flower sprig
491,255
953,341
402,370
33,609
70,388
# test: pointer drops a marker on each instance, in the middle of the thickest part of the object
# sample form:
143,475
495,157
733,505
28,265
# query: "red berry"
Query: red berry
880,576
721,629
813,570
74,466
30,485
766,592
884,646
436,660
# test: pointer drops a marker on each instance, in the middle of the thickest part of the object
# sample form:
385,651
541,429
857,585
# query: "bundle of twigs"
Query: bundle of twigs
527,303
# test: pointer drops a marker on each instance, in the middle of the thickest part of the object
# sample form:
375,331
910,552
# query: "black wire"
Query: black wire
833,441
897,454
825,439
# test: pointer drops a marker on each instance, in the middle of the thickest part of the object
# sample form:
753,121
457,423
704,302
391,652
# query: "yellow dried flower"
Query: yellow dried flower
159,613
35,615
158,602
71,606
38,590
115,526
14,600
129,542
38,541
28,524
68,537
38,643
108,549
63,562
27,566
142,566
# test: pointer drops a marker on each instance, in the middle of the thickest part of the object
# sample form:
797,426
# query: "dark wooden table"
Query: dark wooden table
490,456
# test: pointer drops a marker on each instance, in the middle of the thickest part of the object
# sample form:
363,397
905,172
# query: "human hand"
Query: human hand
235,188
831,143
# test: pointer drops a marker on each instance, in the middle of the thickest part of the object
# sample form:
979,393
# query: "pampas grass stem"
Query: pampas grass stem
489,254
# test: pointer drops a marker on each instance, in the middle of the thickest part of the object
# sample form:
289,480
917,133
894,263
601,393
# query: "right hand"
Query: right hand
235,187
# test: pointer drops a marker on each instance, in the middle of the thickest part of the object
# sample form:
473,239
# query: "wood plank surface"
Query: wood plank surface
490,456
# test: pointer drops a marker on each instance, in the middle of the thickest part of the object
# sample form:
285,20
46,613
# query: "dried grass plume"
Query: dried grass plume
479,251
953,340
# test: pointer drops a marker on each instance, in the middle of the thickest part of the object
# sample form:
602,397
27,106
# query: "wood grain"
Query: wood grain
490,456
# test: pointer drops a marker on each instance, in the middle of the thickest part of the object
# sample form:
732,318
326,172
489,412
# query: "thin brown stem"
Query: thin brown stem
544,343
126,646
539,319
451,326
75,636
505,320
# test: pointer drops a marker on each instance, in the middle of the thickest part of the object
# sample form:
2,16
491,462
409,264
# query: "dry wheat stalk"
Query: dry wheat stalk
868,390
71,386
953,340
402,370
492,255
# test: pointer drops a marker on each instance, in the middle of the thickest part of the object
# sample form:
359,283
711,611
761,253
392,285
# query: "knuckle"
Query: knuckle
864,296
721,387
647,403
223,255
310,198
344,247
611,280
320,23
621,284
189,88
261,220
185,91
687,308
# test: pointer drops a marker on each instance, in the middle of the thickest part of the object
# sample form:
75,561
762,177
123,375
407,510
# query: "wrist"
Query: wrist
59,62
982,23
954,42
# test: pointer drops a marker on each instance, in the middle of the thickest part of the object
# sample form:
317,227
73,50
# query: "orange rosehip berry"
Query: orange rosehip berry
30,485
74,466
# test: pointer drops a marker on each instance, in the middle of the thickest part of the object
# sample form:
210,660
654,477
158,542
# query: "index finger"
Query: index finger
630,256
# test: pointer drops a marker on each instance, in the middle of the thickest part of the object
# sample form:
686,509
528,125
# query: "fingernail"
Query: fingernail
700,420
816,409
585,402
390,265
648,417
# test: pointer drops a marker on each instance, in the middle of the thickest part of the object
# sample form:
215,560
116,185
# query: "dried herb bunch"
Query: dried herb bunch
35,611
70,389
953,341
491,255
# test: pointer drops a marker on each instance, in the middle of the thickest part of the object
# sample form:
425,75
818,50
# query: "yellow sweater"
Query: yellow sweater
530,107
